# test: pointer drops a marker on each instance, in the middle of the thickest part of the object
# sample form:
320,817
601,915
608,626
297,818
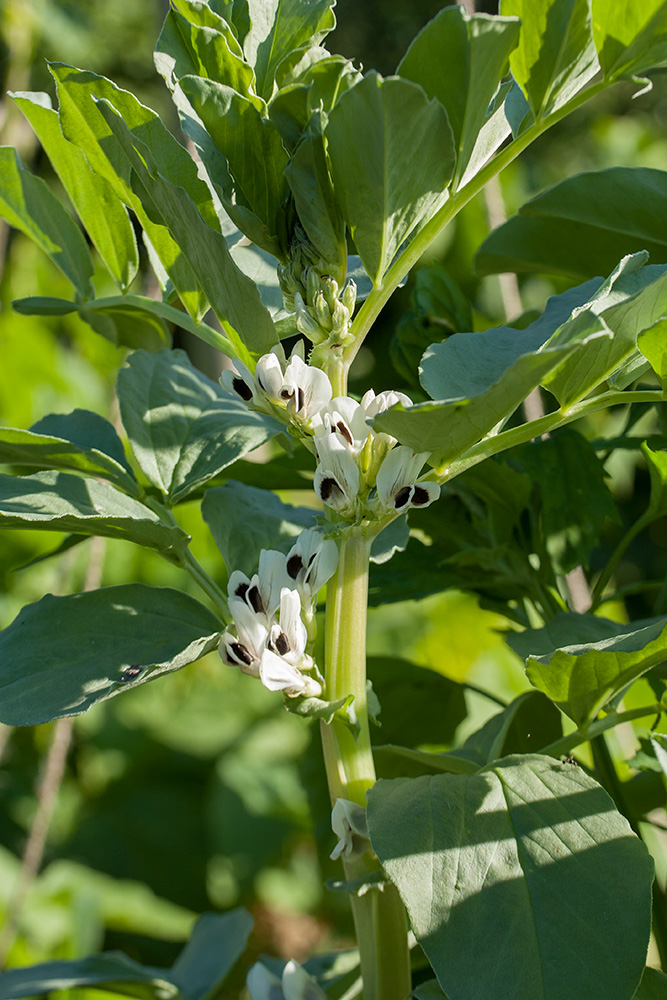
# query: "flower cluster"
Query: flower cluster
273,615
361,473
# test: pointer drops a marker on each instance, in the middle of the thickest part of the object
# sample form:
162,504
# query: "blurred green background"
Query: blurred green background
200,791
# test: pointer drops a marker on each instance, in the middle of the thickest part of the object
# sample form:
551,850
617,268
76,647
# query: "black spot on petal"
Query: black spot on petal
402,497
300,400
344,431
241,590
254,599
281,644
329,487
242,654
294,566
243,390
420,496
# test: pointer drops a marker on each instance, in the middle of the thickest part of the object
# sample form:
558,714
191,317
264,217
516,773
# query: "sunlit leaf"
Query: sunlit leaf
556,55
460,60
631,37
383,190
183,428
28,204
511,857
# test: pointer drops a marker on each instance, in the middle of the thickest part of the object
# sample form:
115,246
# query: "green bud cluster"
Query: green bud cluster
323,309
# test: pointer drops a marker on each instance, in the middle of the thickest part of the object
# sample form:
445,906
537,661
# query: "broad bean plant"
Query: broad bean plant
305,194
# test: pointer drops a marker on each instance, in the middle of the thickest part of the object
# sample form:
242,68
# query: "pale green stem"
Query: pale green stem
572,740
379,917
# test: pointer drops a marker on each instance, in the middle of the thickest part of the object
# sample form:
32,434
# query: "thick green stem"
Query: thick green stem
379,917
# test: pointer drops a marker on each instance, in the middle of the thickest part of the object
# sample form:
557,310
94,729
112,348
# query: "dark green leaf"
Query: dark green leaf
122,320
84,126
527,725
581,677
416,705
566,629
183,428
384,191
556,56
583,225
82,441
27,203
217,941
653,986
244,520
657,467
631,37
113,971
430,990
233,296
277,28
62,655
518,856
460,60
653,345
575,499
99,208
58,501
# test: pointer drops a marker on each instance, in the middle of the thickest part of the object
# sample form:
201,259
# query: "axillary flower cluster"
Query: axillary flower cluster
365,476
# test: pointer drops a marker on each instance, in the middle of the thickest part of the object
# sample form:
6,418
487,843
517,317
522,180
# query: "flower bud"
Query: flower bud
322,311
312,285
330,292
340,319
349,296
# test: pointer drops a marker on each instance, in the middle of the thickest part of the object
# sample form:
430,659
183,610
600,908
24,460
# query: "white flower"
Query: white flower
397,488
294,984
305,389
285,651
246,649
261,593
348,822
240,381
373,405
337,477
311,561
344,418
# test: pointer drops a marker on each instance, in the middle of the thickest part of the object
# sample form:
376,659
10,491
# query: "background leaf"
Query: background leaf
62,655
511,856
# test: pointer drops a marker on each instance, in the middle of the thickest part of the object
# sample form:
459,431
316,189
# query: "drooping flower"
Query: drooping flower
305,389
337,477
348,822
310,562
397,486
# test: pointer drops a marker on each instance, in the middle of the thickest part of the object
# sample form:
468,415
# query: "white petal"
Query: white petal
269,376
310,387
335,457
330,490
278,675
323,566
262,984
348,822
298,985
235,654
240,381
237,580
252,628
384,401
430,488
273,577
291,624
399,469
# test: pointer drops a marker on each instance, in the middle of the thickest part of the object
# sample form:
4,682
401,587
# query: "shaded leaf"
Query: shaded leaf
58,501
653,986
183,428
556,55
653,345
28,204
510,856
217,941
383,190
113,971
55,443
460,60
417,705
583,225
244,520
63,655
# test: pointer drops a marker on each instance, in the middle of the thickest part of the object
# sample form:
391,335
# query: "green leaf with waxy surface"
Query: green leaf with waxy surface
277,28
183,428
63,655
233,296
383,190
81,441
631,37
123,322
653,986
460,60
582,676
243,520
98,206
556,55
28,204
85,127
653,345
253,149
510,856
417,705
59,501
184,48
583,226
